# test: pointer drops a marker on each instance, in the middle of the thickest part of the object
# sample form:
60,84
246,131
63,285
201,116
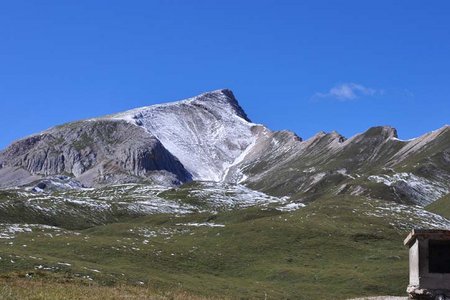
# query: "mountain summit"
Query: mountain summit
206,133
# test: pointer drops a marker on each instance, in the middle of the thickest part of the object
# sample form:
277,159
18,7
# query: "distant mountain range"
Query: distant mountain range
210,138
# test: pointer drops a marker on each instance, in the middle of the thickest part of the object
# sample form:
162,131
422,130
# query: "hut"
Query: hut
429,264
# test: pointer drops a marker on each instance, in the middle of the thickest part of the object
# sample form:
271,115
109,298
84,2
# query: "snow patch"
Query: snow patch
317,177
404,217
206,224
421,190
228,196
10,231
291,207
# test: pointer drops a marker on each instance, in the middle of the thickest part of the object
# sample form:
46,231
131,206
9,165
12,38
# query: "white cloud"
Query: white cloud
348,91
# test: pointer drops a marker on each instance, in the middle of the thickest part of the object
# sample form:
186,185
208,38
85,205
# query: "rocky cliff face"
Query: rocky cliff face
95,153
210,138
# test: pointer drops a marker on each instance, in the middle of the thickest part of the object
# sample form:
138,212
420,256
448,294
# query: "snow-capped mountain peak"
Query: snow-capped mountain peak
207,133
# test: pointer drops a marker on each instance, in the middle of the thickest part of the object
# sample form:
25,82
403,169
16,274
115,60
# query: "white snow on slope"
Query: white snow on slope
205,224
138,199
421,190
229,196
205,133
10,230
239,174
291,206
403,217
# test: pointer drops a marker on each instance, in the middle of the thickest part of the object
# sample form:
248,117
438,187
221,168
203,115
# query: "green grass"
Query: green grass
330,249
441,206
41,289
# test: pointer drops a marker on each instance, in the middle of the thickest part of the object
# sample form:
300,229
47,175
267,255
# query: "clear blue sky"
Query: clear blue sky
300,65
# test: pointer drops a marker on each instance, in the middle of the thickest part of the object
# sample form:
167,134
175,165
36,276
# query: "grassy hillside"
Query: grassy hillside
441,206
338,248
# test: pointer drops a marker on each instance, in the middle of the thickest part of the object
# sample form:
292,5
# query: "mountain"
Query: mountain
193,196
194,139
210,138
375,164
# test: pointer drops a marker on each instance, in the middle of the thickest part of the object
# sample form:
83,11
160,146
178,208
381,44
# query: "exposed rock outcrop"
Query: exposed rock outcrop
110,147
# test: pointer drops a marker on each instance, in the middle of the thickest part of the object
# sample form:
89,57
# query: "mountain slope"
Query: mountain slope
375,163
206,133
441,206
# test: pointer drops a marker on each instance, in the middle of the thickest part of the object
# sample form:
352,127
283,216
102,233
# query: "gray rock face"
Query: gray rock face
110,147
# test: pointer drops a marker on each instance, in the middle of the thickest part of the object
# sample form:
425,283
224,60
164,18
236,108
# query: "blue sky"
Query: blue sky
300,65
